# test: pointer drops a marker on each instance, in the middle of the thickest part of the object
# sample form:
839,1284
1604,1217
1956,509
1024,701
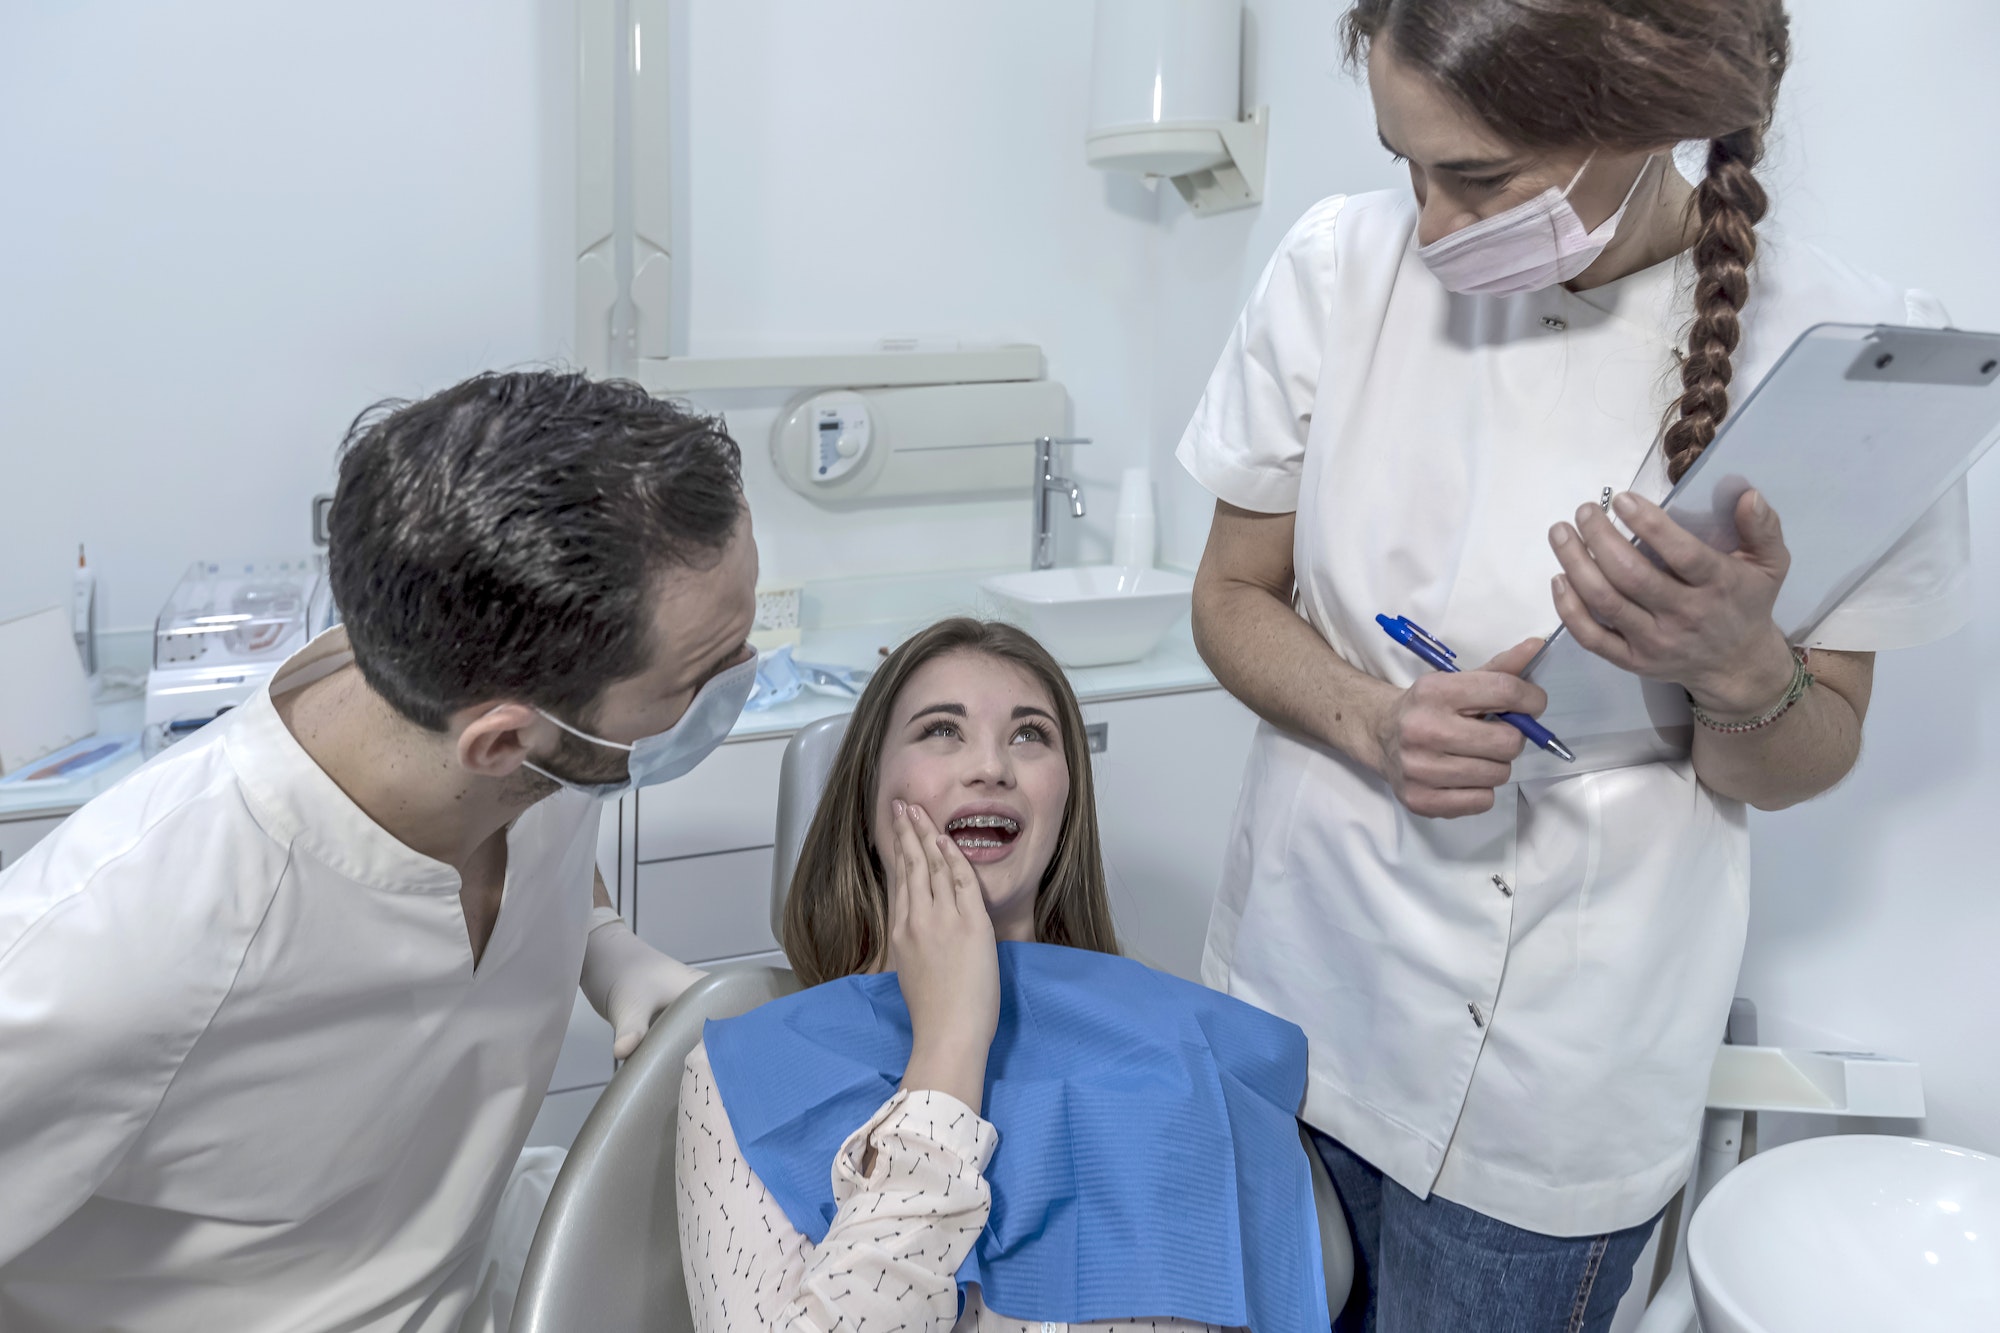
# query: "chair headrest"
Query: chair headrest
801,778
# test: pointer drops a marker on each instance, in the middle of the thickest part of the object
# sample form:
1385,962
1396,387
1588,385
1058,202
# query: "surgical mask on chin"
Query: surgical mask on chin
674,752
1532,245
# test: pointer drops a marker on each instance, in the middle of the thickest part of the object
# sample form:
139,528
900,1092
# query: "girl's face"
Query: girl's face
974,741
1462,171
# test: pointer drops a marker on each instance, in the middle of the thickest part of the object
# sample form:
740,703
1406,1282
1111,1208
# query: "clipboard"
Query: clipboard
1854,434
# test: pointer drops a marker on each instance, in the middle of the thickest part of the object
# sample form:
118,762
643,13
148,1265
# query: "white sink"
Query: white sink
1850,1234
1092,615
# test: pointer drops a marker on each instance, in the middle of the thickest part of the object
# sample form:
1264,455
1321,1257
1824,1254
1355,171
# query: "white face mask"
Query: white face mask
1532,245
674,752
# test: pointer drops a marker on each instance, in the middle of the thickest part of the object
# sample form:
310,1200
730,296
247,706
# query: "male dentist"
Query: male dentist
276,1012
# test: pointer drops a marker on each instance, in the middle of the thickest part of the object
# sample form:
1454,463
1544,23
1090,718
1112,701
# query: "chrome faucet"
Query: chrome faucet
1042,555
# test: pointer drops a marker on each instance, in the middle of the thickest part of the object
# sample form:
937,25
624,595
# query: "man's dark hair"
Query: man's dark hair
503,538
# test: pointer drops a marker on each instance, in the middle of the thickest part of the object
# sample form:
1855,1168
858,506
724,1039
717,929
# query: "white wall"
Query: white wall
1322,142
229,226
232,225
906,168
1875,909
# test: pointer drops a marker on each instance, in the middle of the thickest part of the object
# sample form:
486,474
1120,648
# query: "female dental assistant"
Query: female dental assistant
1513,993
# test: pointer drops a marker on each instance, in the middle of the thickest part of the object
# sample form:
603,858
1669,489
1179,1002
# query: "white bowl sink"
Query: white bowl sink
1092,615
1853,1233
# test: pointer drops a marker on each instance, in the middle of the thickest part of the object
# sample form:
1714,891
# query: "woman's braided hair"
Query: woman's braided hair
1624,75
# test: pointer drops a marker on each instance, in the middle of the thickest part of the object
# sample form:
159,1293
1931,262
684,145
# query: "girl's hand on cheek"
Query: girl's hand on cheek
947,964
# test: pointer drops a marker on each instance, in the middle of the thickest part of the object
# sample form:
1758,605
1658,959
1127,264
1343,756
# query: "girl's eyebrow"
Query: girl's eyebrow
958,710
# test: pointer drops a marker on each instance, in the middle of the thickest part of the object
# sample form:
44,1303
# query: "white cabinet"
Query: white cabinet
18,835
703,908
700,882
1167,781
728,804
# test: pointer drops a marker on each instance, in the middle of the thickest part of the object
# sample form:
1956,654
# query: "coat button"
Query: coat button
1478,1019
1506,889
1554,323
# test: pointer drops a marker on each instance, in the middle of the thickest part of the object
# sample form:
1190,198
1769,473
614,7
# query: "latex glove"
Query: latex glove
628,981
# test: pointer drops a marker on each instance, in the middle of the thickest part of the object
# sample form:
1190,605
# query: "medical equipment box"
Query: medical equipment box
224,632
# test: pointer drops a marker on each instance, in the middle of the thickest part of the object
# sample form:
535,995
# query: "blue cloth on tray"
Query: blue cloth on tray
1148,1164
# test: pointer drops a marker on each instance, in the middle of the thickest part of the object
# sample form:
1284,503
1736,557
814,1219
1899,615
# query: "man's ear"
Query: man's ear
494,740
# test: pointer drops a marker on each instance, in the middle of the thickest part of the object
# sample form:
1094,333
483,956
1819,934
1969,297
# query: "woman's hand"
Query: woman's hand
1440,755
1703,622
941,945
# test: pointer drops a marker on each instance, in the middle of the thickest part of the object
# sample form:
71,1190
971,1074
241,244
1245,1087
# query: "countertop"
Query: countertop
843,622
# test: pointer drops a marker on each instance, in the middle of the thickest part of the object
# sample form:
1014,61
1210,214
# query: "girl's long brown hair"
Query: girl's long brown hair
1624,75
836,916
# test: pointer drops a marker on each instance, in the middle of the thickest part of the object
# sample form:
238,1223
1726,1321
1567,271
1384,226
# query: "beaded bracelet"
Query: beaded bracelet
1802,679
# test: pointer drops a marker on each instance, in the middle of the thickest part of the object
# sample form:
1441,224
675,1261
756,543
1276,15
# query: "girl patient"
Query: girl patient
979,1116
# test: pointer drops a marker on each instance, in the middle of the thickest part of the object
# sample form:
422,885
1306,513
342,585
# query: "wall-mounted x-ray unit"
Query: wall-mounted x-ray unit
624,184
845,448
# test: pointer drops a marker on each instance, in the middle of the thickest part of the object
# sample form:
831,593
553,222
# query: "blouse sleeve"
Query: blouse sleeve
1922,589
1247,440
890,1258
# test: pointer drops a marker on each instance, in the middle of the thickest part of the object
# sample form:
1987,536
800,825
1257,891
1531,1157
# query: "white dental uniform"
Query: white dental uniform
1517,1010
249,1076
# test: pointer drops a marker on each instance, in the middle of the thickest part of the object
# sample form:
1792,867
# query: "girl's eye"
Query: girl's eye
1033,731
1397,158
1487,182
940,728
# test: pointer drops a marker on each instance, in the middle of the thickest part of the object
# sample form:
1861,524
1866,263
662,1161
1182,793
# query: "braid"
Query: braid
1626,75
1730,203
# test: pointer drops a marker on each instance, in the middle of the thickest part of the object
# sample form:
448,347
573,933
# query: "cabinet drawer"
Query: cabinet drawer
706,907
729,803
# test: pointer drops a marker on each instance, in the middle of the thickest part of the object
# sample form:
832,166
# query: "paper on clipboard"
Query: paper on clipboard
1855,433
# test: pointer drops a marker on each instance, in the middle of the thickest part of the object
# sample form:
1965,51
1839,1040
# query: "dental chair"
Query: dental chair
607,1256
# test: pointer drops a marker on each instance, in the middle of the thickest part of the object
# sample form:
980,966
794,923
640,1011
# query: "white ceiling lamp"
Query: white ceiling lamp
1166,99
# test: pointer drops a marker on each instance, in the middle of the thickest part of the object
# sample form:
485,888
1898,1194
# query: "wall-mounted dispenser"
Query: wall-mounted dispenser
847,448
1165,100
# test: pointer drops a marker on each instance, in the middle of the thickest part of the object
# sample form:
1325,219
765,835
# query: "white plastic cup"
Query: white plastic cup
1134,533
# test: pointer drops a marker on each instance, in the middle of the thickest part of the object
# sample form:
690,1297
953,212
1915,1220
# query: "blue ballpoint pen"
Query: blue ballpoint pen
1417,640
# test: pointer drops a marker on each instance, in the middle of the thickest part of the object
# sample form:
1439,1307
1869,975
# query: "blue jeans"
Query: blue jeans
1434,1266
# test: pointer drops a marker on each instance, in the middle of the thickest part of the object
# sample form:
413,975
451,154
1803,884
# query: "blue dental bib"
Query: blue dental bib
1148,1165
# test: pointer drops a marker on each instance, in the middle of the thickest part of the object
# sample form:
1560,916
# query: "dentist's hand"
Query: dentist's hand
1703,622
629,982
1439,754
947,963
